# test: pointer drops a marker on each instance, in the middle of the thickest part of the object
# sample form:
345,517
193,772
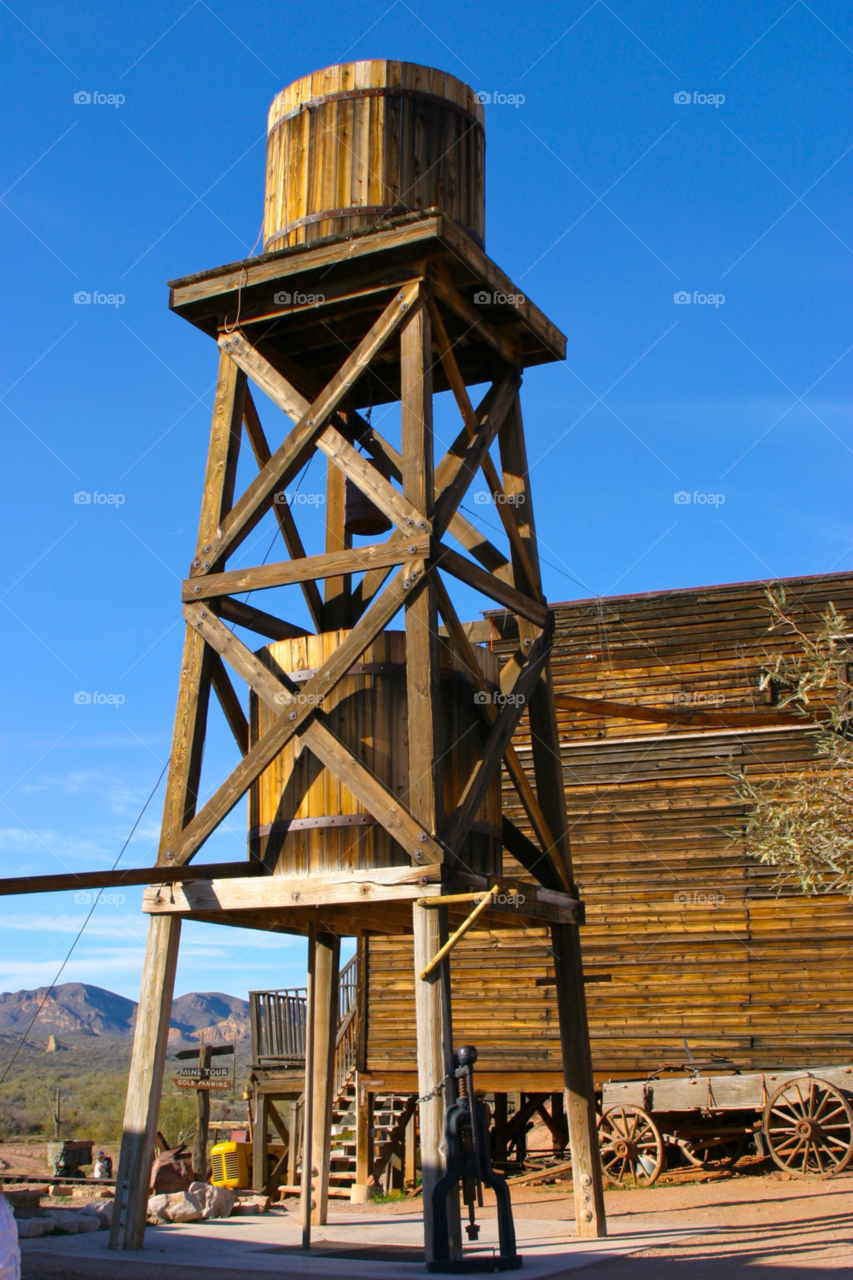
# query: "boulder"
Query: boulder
157,1208
102,1210
250,1205
32,1228
214,1202
87,1222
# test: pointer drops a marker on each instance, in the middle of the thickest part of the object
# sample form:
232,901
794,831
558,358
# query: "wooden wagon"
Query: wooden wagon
803,1119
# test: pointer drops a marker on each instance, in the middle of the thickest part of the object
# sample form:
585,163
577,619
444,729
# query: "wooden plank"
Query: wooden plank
488,585
145,1084
326,975
230,703
280,893
297,446
265,624
337,590
413,838
478,784
285,573
507,346
454,491
283,514
410,579
306,1199
676,715
406,516
70,881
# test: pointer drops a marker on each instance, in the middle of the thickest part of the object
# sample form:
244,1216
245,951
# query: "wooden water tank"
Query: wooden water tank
305,821
353,144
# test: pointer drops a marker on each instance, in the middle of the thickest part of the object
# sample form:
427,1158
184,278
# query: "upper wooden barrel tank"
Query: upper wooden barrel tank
305,821
356,143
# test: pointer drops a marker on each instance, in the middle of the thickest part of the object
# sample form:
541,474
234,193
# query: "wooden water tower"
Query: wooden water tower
371,756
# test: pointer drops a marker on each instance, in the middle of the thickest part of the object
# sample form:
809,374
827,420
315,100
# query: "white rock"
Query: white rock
157,1208
32,1228
102,1210
214,1202
251,1205
182,1207
87,1222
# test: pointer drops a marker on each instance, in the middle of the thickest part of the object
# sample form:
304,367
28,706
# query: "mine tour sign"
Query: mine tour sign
204,1078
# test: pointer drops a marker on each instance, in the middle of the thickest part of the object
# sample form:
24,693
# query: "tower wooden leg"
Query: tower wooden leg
499,1154
435,1062
325,1029
146,1082
590,1218
259,1143
410,1171
364,1136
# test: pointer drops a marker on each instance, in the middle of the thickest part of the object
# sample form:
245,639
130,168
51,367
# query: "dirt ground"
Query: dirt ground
752,1226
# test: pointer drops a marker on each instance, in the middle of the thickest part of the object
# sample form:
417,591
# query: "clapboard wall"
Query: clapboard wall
697,942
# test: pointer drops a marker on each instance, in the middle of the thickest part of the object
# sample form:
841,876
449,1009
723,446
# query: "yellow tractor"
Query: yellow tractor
232,1164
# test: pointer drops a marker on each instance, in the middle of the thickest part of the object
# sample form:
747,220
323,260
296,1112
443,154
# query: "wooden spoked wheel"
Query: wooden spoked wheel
808,1125
632,1150
713,1153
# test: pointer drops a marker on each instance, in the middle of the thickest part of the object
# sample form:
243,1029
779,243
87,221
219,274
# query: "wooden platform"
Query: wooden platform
378,901
355,277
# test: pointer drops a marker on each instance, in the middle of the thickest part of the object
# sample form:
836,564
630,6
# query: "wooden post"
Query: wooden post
411,1151
499,1154
337,590
202,1110
434,1030
145,1084
306,1203
326,975
548,768
260,1143
364,1135
295,1147
558,1115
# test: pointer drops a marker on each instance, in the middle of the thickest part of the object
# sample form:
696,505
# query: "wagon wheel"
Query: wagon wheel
632,1151
712,1154
808,1125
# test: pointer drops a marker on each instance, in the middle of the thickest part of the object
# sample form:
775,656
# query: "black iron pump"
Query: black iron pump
469,1162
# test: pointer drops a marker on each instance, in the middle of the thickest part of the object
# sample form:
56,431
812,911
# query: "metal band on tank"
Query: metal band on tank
381,91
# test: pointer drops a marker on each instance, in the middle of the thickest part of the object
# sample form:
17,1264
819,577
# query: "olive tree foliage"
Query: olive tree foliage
802,822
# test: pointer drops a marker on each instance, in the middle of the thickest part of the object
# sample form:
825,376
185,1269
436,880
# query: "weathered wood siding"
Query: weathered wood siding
696,940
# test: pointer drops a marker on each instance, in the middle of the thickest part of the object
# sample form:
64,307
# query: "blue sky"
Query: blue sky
605,198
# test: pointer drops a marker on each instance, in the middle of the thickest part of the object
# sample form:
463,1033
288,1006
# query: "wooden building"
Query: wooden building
686,937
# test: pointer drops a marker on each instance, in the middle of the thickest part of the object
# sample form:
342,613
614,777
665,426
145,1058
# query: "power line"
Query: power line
80,934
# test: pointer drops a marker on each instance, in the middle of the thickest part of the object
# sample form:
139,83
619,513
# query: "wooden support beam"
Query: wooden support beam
263,624
337,590
407,581
539,864
440,284
330,565
148,1061
677,715
490,758
300,442
319,738
408,518
230,703
488,426
432,994
283,514
489,585
306,1200
326,975
76,880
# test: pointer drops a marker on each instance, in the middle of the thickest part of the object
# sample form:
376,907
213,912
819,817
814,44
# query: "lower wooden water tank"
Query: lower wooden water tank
353,144
303,820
